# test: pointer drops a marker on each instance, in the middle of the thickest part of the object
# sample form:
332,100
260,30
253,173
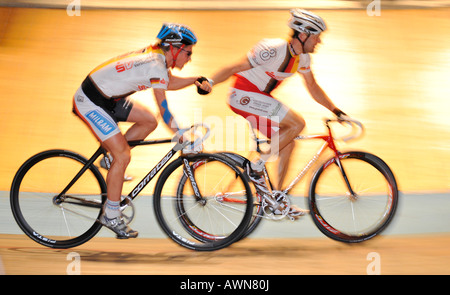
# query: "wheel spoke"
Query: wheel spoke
354,217
63,223
212,223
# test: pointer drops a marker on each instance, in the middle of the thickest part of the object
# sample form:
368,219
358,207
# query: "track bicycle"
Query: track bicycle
352,196
57,196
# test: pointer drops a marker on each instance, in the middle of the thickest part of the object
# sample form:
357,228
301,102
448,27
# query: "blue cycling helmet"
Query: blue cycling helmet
176,34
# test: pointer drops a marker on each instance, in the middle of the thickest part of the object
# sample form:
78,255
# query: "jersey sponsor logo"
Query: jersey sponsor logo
128,65
123,66
278,76
155,81
245,100
144,61
103,124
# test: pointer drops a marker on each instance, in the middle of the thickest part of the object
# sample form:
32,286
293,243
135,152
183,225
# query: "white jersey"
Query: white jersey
131,72
273,61
102,101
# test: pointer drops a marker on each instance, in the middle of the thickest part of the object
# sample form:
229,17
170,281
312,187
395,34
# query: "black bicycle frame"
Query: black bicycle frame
146,180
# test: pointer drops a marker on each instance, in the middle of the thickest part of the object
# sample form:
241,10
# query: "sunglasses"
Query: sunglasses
188,53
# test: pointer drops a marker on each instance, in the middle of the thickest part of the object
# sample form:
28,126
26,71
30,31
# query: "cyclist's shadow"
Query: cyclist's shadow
241,250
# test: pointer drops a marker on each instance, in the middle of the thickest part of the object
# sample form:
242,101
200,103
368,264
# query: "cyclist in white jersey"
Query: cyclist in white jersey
103,100
263,69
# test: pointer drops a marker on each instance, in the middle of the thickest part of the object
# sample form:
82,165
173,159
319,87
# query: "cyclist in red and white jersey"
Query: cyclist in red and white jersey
263,69
103,100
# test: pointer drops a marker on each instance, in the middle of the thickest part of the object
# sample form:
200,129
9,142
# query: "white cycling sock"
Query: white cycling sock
112,209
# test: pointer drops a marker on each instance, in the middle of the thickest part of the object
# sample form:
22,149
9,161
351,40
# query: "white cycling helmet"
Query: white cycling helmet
306,22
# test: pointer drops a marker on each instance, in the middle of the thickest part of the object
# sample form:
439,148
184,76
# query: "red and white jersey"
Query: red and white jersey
273,61
131,72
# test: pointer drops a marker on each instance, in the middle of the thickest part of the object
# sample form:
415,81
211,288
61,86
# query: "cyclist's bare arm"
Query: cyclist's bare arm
177,83
160,96
228,71
317,92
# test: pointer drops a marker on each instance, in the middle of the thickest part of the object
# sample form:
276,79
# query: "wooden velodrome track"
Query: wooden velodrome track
391,72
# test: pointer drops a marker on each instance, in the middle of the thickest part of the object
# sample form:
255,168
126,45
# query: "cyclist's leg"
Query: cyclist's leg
103,124
290,126
127,110
286,122
144,122
118,147
277,122
283,163
105,128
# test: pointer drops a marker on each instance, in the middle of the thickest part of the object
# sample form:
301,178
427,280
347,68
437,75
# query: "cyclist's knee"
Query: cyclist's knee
143,118
121,156
149,123
294,122
122,159
289,147
300,124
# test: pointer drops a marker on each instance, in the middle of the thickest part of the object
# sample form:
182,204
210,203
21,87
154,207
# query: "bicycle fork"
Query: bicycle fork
189,172
338,162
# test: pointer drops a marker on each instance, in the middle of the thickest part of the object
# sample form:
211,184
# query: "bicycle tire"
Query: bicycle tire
380,198
207,224
258,211
33,206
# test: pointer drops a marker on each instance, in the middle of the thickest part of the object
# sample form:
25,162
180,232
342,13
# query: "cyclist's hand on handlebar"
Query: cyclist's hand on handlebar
341,116
191,139
195,145
193,148
204,85
344,119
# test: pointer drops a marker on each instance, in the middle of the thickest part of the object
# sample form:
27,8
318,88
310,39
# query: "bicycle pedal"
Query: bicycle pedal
291,218
297,214
126,237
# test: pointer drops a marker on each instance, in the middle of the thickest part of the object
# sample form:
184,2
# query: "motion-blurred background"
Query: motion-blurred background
385,63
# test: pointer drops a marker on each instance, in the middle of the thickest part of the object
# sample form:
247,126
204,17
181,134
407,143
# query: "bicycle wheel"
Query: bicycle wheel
210,222
359,215
258,211
57,222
